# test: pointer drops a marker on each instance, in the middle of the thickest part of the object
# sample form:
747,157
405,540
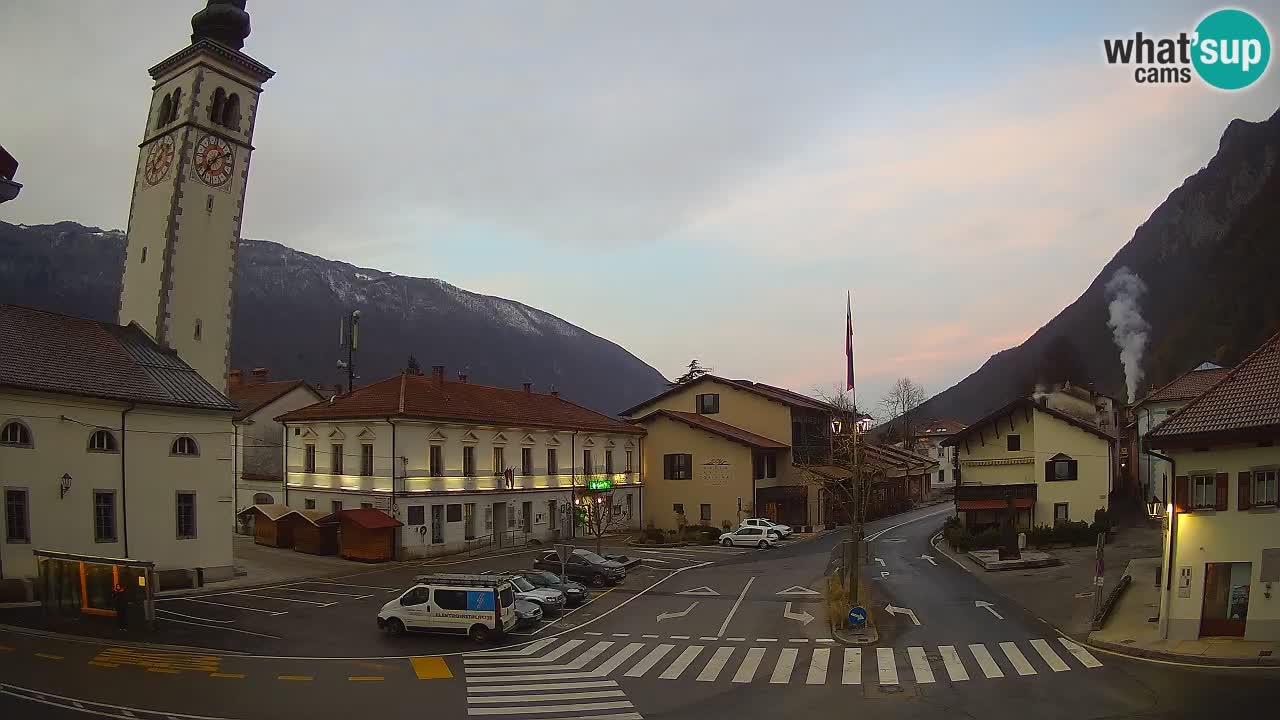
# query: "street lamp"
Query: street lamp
65,487
1155,508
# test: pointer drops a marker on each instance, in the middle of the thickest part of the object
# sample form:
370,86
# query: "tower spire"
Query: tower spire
224,21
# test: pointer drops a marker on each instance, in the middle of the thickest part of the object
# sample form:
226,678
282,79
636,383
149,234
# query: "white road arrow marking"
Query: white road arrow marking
704,590
686,611
797,590
987,605
804,617
881,561
930,559
902,611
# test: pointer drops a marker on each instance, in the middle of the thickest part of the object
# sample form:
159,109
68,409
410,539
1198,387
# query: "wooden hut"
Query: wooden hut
313,533
365,534
270,524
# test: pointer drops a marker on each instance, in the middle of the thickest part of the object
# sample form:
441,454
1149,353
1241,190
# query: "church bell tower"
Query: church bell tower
188,191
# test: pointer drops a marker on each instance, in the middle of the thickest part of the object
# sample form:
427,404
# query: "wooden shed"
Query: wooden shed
365,534
313,533
271,525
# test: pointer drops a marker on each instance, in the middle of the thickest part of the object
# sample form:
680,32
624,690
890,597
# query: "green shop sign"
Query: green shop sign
599,484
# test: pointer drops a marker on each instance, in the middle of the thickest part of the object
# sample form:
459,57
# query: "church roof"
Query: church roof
48,352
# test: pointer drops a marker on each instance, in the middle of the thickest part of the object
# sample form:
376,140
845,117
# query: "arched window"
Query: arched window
215,110
15,433
231,112
166,107
184,445
263,499
173,111
102,441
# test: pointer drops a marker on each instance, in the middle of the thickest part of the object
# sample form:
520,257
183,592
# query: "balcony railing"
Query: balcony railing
996,492
454,483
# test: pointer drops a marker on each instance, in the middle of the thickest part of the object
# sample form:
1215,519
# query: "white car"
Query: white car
749,537
771,526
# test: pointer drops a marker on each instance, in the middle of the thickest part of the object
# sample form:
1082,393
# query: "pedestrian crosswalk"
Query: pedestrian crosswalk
559,670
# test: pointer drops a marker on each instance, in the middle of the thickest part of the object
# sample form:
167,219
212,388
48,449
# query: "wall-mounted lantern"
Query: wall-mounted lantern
65,487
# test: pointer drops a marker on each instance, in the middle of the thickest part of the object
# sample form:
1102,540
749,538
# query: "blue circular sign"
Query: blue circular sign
857,616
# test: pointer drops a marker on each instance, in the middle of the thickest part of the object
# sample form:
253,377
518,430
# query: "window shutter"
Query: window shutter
1220,485
1181,493
1072,471
1244,479
666,467
1048,471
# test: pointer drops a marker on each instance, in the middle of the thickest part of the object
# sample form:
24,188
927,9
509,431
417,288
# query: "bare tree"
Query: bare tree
599,515
900,403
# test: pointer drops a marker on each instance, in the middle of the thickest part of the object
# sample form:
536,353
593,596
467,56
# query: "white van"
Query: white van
481,607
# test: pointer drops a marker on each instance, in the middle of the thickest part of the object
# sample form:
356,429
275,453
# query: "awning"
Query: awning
783,492
1020,503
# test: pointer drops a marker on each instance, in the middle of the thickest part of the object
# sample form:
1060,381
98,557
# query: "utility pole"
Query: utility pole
349,337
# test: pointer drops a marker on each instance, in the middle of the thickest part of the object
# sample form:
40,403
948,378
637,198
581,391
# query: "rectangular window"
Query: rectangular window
186,519
708,404
309,458
453,513
469,521
309,504
608,462
335,458
1204,492
771,465
499,460
17,516
757,466
366,506
104,516
705,512
451,599
1015,442
469,460
526,461
677,466
1264,487
335,506
437,523
417,514
677,508
587,466
366,459
1060,514
1064,470
630,467
553,463
437,461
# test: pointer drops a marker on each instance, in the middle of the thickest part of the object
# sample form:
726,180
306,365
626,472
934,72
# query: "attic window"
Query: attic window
1015,442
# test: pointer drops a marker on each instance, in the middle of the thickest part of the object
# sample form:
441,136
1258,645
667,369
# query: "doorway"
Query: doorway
1226,599
526,516
499,523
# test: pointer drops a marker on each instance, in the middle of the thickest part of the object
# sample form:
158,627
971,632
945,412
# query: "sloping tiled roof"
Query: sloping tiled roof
903,456
422,397
367,518
1245,399
940,427
252,397
48,352
1187,386
771,392
1023,402
724,430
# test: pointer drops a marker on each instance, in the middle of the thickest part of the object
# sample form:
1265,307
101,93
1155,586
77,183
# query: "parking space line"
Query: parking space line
193,617
291,588
224,629
365,678
228,676
370,587
303,678
233,607
282,599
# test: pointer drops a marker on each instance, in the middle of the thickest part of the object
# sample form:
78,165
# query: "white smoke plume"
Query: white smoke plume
1128,328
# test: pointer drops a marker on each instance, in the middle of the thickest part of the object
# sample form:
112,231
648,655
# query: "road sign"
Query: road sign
857,616
564,552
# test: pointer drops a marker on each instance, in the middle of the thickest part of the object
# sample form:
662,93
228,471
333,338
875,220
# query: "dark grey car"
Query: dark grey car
586,566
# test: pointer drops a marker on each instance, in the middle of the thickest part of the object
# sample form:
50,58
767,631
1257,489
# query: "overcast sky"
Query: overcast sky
688,179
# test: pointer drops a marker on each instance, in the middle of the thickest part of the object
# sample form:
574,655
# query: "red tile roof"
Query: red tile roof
422,397
367,518
1020,403
771,392
48,352
252,397
724,430
940,427
1187,386
1246,400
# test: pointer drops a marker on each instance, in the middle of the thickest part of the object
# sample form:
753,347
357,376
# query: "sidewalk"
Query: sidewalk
1129,629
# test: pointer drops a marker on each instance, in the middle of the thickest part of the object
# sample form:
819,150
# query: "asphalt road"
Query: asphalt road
700,632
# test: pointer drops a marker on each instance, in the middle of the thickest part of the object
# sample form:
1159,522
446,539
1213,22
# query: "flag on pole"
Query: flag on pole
848,343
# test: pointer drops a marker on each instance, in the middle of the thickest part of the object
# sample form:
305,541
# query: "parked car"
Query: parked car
551,600
749,537
575,593
527,613
586,566
482,607
779,529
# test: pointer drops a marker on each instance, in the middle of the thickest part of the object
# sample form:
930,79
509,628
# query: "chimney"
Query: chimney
1044,401
528,387
555,393
437,373
235,378
260,375
462,378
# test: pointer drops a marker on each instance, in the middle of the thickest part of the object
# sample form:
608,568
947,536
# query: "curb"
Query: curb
870,638
1143,653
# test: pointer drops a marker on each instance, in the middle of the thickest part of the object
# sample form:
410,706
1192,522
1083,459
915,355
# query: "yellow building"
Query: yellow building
721,450
1055,467
1221,566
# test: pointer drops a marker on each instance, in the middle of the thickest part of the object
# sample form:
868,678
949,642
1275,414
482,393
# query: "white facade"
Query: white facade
1155,476
449,510
259,465
141,476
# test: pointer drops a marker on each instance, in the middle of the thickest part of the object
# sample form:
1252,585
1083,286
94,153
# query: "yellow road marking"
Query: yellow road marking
167,671
47,656
365,678
294,677
234,676
95,663
430,668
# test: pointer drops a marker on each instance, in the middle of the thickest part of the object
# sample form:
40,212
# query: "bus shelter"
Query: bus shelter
73,584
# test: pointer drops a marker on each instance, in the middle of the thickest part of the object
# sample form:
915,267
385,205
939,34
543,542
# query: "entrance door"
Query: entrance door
499,523
1226,598
526,514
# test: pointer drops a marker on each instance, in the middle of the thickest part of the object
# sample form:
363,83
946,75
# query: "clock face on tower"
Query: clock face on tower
214,160
159,158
